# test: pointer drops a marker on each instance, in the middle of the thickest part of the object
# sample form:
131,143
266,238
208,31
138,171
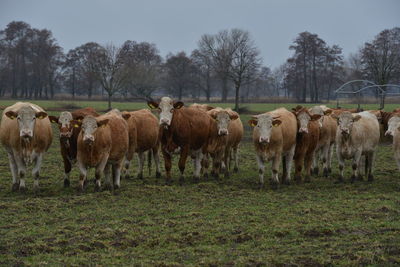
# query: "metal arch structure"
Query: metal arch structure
382,93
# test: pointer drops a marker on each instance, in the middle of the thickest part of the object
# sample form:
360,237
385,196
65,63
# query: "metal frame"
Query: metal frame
382,93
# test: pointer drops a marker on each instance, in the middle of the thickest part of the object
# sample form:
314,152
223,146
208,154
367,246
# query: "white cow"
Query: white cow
394,130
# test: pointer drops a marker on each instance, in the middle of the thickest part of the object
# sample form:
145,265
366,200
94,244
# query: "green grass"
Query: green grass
213,223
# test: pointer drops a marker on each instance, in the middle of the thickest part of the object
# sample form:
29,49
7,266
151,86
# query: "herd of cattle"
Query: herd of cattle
108,142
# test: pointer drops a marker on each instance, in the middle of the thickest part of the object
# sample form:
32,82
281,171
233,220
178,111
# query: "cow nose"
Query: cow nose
88,139
26,133
223,132
164,122
388,133
264,140
345,131
303,130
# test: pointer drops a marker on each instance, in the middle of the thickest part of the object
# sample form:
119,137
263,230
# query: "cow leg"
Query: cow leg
261,168
307,166
182,163
21,167
275,168
236,157
117,174
141,164
298,164
67,170
127,165
82,177
36,170
397,158
315,162
325,159
14,171
355,165
370,164
289,162
330,156
168,165
197,164
108,183
284,170
204,165
156,157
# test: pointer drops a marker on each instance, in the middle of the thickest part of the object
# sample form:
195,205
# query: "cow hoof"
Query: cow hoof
326,172
274,185
260,186
15,187
370,178
236,170
316,171
116,187
140,176
353,178
66,183
108,187
22,189
196,180
80,189
205,175
330,170
158,174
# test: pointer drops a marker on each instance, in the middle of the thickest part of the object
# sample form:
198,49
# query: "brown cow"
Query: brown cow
69,136
274,138
235,136
326,140
218,137
102,143
184,128
143,136
306,141
25,133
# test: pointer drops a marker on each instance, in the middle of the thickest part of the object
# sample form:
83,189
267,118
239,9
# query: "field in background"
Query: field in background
211,223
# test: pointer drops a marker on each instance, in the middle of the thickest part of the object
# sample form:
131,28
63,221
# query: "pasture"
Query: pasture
212,223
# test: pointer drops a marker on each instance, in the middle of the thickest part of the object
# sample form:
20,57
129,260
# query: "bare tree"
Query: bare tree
109,70
245,62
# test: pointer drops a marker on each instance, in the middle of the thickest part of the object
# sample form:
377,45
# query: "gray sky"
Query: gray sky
176,25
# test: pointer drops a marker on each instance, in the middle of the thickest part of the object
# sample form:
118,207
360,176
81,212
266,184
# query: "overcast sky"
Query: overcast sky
176,25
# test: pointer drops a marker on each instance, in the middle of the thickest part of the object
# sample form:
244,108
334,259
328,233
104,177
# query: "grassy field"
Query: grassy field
212,223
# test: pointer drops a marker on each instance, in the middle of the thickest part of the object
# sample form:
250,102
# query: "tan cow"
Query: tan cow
143,136
274,138
326,141
69,136
306,141
102,143
25,133
235,136
357,135
184,128
218,137
394,131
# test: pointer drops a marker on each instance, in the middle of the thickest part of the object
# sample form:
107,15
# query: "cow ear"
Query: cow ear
233,116
178,105
333,115
79,118
209,108
76,123
328,112
315,117
41,115
152,104
53,119
126,115
276,123
252,122
11,114
102,123
356,118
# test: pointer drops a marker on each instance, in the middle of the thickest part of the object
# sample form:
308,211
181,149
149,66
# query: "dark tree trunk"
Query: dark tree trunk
237,88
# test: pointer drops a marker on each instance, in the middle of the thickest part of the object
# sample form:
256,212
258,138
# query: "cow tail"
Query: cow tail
149,160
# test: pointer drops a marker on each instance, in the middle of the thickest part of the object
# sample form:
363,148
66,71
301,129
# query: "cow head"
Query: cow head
263,123
222,118
304,117
345,121
393,125
65,124
318,110
166,107
26,118
89,127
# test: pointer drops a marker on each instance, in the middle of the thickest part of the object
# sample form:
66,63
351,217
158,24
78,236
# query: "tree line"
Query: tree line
224,65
